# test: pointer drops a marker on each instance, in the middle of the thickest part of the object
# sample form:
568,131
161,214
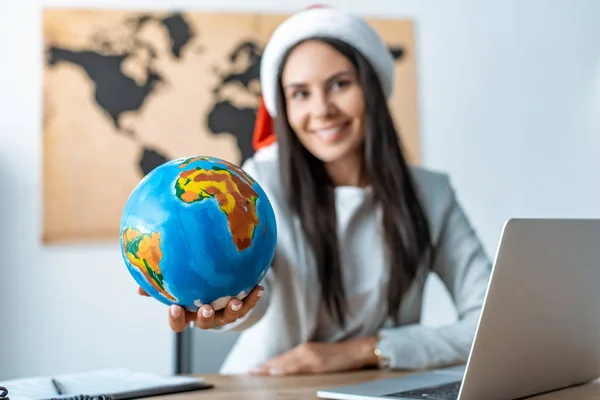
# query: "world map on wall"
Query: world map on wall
117,93
126,91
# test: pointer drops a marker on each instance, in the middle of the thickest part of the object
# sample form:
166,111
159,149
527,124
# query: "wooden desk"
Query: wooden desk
240,387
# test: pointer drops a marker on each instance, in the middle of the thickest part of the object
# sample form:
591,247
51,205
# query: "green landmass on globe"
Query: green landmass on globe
235,196
144,252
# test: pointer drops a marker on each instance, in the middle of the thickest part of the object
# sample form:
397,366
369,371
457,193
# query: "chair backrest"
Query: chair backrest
202,352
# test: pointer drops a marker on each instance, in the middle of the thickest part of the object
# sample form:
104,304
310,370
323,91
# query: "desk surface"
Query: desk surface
240,387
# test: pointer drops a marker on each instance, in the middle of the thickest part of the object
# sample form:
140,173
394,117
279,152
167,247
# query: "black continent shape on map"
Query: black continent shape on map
252,51
227,118
180,32
150,158
397,52
117,93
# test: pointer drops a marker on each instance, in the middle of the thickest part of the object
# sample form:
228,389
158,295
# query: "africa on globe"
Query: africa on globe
196,231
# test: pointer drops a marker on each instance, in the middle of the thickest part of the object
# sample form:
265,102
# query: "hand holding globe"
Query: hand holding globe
199,235
206,317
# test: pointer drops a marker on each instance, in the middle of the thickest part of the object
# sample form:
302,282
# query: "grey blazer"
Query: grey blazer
287,315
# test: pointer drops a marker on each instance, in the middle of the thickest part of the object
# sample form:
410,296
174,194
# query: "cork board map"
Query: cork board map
124,91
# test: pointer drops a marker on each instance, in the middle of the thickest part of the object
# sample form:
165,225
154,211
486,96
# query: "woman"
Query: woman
358,229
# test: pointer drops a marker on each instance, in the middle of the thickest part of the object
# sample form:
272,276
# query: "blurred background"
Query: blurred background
502,96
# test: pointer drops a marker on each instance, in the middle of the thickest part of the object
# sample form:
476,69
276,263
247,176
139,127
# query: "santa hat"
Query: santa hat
264,134
323,22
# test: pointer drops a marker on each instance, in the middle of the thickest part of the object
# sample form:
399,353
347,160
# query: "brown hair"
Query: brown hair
310,194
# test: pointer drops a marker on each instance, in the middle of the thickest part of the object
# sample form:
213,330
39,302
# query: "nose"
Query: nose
321,106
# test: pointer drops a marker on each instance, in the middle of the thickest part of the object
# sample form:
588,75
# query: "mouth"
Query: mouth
333,133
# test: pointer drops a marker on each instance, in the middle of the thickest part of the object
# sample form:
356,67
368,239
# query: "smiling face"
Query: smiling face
324,102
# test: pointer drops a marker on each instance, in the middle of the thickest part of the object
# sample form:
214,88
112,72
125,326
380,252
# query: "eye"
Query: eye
299,94
340,84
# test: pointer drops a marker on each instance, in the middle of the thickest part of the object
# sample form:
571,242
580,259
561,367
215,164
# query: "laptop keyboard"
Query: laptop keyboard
447,391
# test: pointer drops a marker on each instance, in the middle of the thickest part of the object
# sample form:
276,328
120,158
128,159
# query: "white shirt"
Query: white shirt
364,272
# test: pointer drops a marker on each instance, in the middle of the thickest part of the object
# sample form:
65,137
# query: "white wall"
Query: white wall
509,105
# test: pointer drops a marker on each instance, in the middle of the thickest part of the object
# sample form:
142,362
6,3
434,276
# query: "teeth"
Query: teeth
328,132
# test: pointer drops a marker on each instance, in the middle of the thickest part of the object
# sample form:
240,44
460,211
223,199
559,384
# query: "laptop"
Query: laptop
539,329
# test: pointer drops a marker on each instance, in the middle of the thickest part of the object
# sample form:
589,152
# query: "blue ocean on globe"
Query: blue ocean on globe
196,231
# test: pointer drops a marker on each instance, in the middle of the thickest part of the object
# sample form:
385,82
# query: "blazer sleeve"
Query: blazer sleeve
254,315
463,266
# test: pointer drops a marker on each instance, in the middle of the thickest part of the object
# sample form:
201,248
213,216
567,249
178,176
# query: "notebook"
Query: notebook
117,384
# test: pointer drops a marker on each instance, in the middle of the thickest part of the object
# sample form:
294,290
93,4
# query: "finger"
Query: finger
265,368
142,292
277,366
259,370
251,300
205,317
293,366
219,320
291,370
231,312
277,370
177,318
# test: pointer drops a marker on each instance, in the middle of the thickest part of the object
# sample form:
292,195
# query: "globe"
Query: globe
197,231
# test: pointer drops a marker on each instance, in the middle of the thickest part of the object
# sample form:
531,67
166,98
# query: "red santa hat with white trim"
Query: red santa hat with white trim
315,21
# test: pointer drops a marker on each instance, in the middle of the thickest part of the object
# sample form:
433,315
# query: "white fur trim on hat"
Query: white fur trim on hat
324,22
